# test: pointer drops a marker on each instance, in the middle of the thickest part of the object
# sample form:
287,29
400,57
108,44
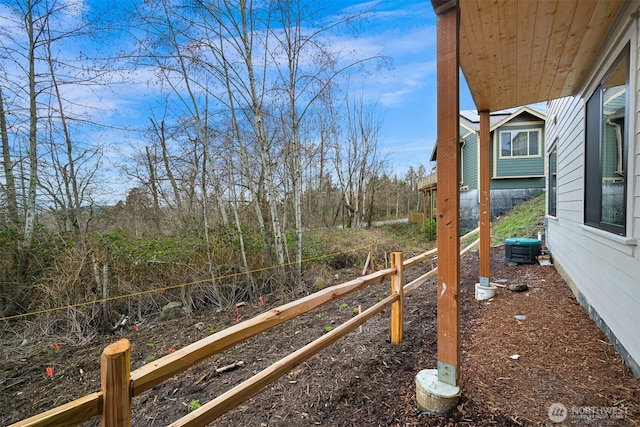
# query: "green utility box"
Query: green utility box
522,249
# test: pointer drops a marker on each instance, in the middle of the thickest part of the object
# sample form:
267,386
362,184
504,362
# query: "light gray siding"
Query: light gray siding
602,269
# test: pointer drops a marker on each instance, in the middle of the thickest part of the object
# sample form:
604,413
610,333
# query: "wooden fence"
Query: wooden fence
119,385
418,218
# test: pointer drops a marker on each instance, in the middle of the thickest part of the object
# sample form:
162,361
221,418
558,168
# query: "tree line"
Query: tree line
253,132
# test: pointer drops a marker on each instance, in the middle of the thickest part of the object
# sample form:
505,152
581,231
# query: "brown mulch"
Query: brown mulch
512,370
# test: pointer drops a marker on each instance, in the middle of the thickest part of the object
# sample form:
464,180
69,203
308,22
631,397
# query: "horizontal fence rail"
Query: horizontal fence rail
155,372
232,398
119,385
71,413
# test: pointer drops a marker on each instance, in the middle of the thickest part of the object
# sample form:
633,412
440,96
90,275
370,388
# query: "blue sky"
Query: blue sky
404,94
405,31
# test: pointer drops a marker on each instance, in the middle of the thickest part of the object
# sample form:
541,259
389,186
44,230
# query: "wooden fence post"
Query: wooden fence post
397,286
116,391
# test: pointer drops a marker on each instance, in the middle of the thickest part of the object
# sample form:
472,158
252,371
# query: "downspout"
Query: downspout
619,169
464,142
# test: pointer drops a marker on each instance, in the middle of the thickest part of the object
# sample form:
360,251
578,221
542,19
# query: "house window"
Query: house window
606,148
552,193
523,143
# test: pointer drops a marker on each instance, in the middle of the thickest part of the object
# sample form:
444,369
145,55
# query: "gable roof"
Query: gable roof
470,119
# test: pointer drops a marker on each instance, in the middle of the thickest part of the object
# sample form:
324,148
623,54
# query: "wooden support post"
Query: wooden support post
425,205
397,286
485,199
366,264
116,391
448,167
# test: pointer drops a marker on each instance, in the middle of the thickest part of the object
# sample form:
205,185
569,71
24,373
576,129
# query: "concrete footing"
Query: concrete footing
433,396
485,292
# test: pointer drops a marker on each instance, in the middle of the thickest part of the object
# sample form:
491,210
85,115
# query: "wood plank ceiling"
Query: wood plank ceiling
517,52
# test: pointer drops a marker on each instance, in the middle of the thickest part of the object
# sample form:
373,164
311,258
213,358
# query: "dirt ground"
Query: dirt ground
513,371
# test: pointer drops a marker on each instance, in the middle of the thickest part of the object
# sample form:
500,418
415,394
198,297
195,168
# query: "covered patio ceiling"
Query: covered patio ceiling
518,52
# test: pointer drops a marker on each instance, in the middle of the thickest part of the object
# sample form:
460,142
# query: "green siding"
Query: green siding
506,167
516,183
470,162
520,166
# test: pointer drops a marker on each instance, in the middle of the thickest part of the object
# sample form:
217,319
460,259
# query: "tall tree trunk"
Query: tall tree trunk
256,109
212,273
193,105
32,156
7,162
297,194
237,134
30,208
153,181
70,178
105,291
243,251
161,134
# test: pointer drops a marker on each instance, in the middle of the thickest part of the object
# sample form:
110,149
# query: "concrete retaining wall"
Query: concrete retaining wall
501,201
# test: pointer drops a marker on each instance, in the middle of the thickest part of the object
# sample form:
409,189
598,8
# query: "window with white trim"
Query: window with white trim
520,143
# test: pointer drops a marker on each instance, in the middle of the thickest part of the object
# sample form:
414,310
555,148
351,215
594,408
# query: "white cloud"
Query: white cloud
407,80
401,32
74,8
404,33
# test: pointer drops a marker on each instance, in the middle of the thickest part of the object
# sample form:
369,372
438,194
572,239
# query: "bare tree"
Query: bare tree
359,161
75,182
161,135
9,188
231,31
34,34
307,68
51,168
167,47
21,47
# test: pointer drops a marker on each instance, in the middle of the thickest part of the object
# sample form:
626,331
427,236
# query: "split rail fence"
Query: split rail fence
119,385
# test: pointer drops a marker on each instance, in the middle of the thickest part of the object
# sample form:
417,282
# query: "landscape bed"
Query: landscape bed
562,358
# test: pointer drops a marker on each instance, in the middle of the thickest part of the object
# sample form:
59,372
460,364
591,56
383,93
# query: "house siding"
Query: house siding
470,162
603,270
516,183
518,166
507,191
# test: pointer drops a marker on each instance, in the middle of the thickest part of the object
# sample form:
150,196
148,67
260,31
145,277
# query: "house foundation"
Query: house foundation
502,201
